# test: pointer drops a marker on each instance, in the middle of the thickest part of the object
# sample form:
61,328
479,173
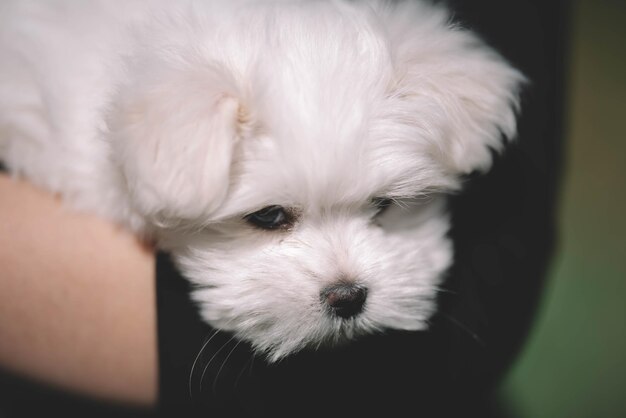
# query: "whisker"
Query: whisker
193,366
217,375
211,359
245,366
465,328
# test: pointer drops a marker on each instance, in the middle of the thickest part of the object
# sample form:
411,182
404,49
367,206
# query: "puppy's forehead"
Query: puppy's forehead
321,91
315,90
340,164
320,69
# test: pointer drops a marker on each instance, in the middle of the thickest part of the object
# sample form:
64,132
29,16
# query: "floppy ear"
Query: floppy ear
463,92
173,135
479,98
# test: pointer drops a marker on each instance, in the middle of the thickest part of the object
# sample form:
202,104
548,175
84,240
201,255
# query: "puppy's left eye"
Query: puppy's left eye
381,204
271,217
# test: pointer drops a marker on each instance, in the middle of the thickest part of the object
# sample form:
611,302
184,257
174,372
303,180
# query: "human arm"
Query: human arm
77,299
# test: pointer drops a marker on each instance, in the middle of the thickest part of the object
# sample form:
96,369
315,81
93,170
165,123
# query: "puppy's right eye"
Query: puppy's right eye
271,217
381,204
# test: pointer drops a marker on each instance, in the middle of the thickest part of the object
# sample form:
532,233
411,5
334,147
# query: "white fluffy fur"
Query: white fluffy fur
177,118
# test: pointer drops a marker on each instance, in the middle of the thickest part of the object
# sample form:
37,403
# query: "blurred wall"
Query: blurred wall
574,364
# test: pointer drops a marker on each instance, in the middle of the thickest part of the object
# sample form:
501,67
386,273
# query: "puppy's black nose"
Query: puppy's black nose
345,300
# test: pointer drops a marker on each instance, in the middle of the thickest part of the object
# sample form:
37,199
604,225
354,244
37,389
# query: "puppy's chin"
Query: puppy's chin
325,282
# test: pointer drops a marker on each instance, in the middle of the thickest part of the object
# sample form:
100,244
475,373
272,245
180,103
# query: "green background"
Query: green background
574,364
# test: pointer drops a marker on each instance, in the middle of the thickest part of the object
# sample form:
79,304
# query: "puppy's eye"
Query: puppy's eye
381,204
271,217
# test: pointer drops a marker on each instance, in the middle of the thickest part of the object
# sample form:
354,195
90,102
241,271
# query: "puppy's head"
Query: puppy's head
294,158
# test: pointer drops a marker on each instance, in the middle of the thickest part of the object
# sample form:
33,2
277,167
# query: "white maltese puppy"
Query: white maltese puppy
292,155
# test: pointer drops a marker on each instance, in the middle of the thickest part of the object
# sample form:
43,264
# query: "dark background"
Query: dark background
574,364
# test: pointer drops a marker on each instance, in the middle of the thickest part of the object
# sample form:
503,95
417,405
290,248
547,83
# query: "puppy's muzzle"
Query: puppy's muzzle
344,300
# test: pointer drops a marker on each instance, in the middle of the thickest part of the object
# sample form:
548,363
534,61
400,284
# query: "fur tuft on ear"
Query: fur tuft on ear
462,92
173,135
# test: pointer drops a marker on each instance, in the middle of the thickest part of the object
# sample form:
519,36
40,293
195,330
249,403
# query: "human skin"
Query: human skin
77,299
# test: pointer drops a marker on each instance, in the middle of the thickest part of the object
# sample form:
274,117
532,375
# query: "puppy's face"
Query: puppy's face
318,241
300,187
